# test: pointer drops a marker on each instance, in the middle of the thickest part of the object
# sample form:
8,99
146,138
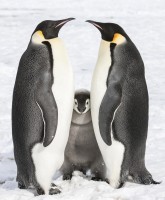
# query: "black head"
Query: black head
108,30
82,101
50,29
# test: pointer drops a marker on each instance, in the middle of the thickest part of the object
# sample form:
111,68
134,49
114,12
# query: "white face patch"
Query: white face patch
76,106
87,106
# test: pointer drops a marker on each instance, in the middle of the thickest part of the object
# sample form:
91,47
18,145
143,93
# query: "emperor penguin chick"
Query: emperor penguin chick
82,152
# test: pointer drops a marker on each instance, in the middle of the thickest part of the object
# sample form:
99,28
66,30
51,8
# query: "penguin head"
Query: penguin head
110,32
82,101
49,29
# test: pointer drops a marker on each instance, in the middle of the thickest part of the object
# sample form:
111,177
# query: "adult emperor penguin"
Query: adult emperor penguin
42,108
82,152
119,106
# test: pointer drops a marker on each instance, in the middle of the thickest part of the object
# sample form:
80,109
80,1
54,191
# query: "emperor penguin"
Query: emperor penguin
82,152
42,108
119,107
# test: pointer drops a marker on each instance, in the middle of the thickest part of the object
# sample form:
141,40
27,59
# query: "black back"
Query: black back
33,82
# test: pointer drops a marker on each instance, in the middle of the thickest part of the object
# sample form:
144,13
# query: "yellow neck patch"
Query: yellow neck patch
38,37
40,34
118,38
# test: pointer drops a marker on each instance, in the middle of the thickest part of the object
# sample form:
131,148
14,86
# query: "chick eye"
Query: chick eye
76,102
87,102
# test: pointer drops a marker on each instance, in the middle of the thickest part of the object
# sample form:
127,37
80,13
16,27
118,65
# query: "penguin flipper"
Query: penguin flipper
112,97
49,111
109,105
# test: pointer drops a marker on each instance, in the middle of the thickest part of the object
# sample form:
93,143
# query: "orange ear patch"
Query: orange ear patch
40,34
38,37
118,38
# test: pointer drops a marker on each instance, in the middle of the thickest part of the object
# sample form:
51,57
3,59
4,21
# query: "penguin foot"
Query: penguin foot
21,185
54,190
96,179
40,191
67,177
53,185
155,182
117,185
120,185
144,179
106,180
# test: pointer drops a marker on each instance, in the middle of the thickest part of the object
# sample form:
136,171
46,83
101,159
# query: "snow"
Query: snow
144,21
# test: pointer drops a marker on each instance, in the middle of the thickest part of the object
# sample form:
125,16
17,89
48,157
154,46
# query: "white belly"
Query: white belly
112,155
49,159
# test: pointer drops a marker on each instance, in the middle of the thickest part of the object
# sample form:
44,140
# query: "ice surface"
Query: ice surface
144,21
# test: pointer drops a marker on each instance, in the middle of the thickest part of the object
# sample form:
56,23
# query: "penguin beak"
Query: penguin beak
62,22
105,29
56,26
98,25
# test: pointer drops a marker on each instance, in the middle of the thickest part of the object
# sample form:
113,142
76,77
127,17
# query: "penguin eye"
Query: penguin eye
76,102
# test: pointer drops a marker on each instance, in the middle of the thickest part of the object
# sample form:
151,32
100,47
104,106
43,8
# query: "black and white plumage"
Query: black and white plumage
42,102
119,106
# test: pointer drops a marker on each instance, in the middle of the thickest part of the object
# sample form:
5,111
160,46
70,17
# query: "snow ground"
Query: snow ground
144,21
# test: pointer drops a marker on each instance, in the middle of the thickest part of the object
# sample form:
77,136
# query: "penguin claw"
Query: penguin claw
40,191
156,182
21,186
144,179
106,180
67,177
54,191
120,185
96,179
53,185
